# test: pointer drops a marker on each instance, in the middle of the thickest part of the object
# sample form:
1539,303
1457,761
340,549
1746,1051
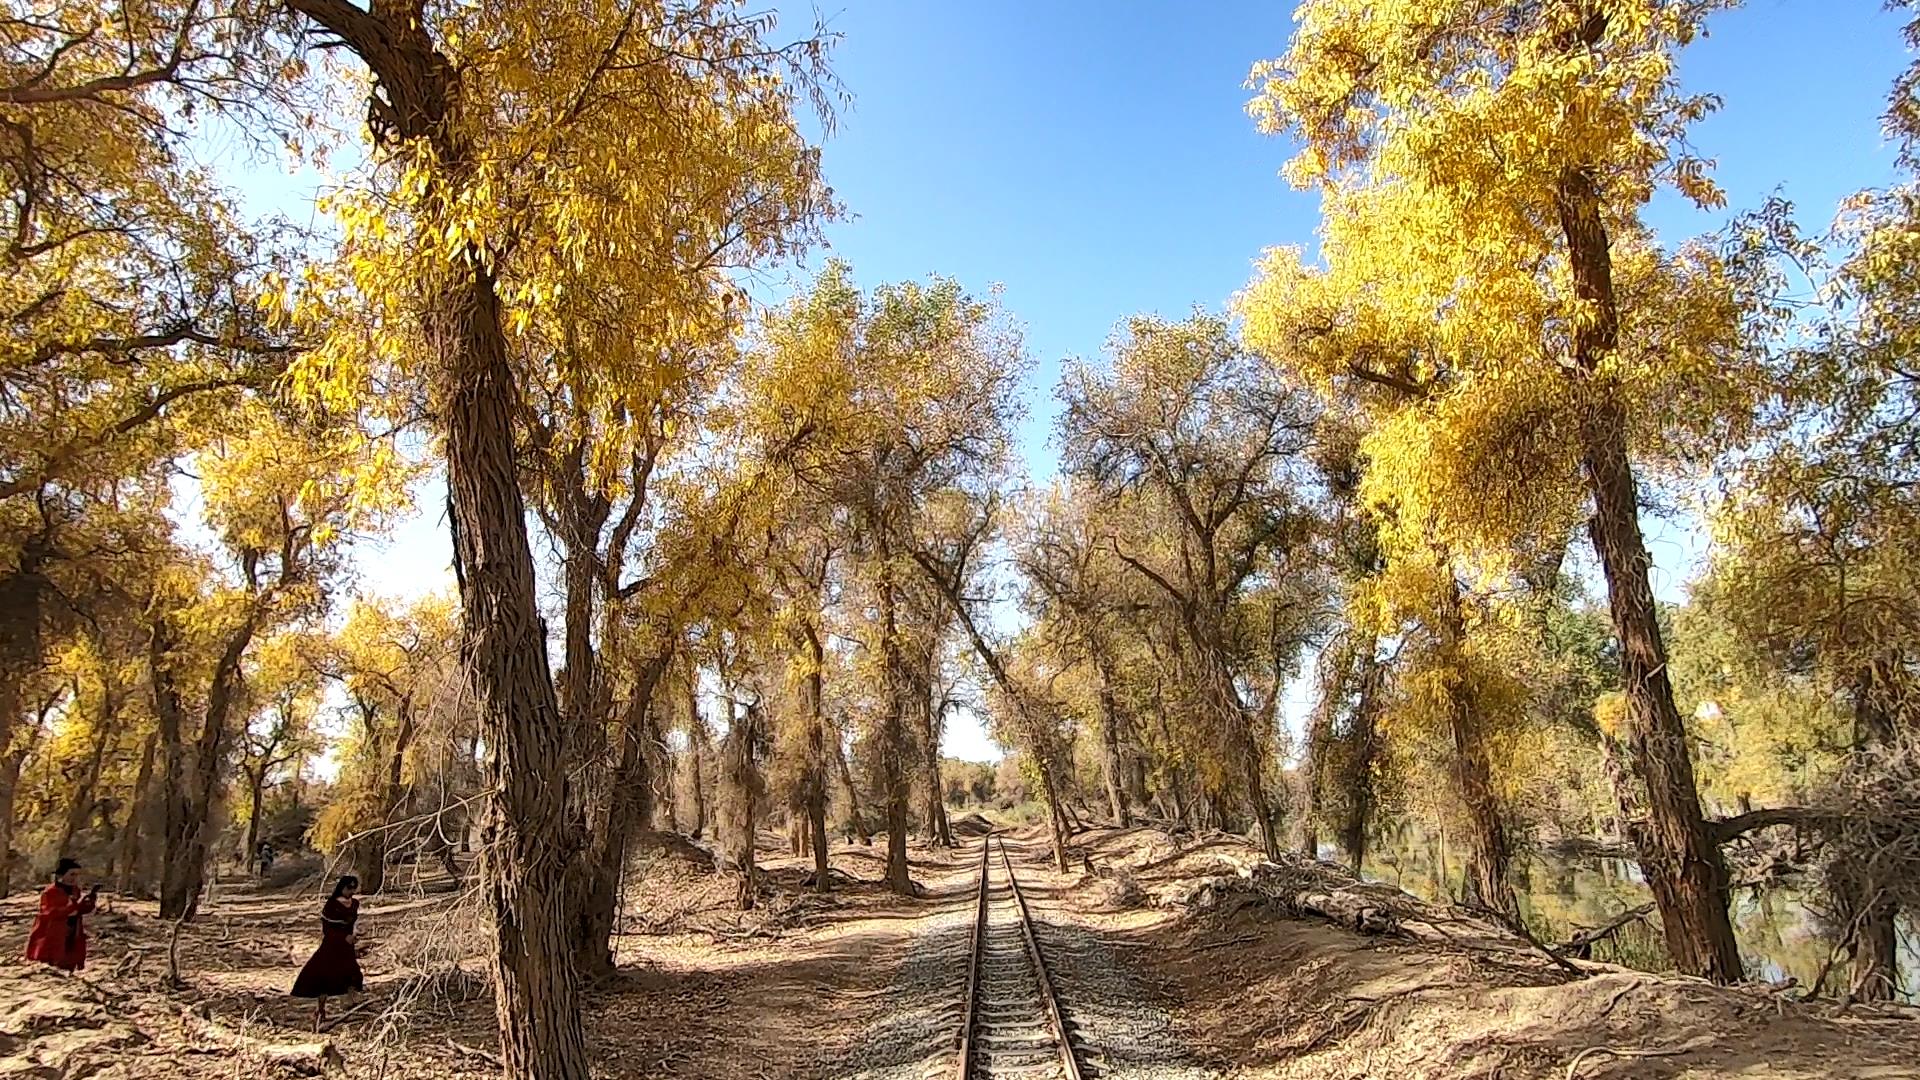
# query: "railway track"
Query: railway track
1012,1026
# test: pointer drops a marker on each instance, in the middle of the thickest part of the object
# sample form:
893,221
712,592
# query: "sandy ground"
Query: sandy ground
862,984
704,990
1258,993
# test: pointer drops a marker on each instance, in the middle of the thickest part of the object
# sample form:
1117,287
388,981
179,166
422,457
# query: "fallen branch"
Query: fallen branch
335,1022
311,1058
1356,912
1726,830
1581,944
1518,927
487,1056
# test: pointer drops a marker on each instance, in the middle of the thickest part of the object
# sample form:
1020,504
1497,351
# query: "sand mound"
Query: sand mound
970,825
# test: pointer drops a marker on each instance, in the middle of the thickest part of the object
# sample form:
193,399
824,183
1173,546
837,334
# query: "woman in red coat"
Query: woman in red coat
58,937
334,968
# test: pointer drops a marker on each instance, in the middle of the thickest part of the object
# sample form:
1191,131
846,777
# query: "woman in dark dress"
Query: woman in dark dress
334,968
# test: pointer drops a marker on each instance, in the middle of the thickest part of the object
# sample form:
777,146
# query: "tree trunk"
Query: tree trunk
1319,733
1111,761
937,831
1488,856
190,797
1681,860
1876,962
1257,794
1363,746
597,908
256,798
894,778
1051,793
528,838
370,861
139,807
629,804
1876,953
813,691
174,810
854,813
740,774
697,751
22,595
10,763
375,848
666,790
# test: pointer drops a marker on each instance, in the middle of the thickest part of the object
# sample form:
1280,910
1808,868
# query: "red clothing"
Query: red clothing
334,968
59,938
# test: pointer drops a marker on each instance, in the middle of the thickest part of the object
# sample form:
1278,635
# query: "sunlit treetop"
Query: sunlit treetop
619,163
1442,138
1483,100
127,279
885,395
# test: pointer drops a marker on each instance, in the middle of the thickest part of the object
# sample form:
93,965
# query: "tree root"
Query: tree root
1573,1067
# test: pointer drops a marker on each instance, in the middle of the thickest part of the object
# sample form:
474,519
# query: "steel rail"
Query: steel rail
971,1005
1040,972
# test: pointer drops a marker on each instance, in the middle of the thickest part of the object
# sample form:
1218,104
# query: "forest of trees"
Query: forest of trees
724,564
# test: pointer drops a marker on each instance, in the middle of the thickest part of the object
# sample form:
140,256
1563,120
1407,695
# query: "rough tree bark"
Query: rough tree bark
184,877
1682,863
173,809
1112,761
371,854
1319,733
22,596
741,773
813,695
256,799
1252,759
10,762
1866,906
892,749
699,751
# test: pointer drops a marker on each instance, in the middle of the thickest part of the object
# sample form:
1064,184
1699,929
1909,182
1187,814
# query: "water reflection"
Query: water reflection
1781,935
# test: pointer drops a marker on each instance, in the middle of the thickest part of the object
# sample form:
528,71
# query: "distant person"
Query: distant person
334,968
59,935
264,856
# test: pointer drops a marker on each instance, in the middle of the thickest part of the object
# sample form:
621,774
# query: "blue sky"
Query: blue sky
1096,160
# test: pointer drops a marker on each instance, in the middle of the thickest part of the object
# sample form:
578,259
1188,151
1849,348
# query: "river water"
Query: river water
1780,930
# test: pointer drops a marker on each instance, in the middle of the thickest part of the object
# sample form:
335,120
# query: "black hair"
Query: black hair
65,864
347,881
